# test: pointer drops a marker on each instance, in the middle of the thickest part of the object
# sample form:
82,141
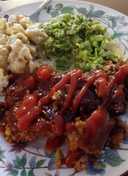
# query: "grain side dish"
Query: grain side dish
19,40
65,81
66,42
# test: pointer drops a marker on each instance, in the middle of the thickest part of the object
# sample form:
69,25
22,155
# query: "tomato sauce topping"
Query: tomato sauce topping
65,108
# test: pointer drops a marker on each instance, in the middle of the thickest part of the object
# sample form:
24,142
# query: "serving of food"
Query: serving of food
65,82
67,42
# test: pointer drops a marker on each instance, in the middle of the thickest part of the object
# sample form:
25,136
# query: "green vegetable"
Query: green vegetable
76,41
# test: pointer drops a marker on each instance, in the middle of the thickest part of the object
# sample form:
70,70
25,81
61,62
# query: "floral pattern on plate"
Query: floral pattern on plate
22,160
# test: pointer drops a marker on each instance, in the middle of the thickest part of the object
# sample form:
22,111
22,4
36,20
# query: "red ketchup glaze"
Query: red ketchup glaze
25,121
121,74
82,115
28,102
74,77
45,100
102,87
97,129
44,73
27,111
82,92
43,126
29,82
85,131
58,125
95,123
54,142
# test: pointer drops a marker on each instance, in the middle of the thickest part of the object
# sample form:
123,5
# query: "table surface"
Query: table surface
120,5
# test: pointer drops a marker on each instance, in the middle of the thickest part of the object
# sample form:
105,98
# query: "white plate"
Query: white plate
32,160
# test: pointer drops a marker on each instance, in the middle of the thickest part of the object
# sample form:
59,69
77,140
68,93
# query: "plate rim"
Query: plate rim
77,2
70,1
